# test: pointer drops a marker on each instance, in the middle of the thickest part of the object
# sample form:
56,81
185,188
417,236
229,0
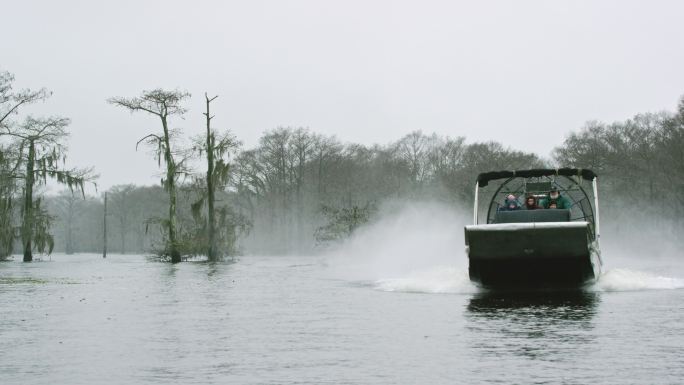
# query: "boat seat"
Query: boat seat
526,216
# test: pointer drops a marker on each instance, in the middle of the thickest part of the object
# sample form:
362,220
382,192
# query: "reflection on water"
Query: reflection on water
265,320
553,305
545,325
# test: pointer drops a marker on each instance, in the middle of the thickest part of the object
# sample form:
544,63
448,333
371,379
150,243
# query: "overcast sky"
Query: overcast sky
525,73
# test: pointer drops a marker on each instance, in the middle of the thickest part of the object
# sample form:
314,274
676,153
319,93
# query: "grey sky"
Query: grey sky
521,72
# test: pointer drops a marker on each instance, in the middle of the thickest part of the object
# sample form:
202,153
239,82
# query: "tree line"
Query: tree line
640,163
296,188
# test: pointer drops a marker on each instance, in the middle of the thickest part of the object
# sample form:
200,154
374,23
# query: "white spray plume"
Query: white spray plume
640,259
419,247
416,247
630,280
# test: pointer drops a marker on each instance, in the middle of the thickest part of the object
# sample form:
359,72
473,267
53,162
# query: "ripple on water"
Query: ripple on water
284,321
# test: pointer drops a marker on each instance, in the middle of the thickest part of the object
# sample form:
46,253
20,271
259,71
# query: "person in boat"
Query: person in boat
510,204
555,196
531,203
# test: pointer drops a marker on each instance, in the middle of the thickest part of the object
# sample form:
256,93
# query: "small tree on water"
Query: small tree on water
216,236
10,103
41,154
342,222
162,104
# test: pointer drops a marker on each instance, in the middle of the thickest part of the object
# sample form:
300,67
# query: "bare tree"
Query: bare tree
300,149
162,104
413,149
68,210
121,205
210,149
217,150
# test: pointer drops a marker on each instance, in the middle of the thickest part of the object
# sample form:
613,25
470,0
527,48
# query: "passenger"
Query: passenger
531,203
553,205
555,196
510,204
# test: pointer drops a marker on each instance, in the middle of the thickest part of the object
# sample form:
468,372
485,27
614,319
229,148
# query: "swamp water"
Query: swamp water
392,306
283,320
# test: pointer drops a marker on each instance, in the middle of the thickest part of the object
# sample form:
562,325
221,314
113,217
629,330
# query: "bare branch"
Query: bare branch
10,102
133,104
157,102
157,137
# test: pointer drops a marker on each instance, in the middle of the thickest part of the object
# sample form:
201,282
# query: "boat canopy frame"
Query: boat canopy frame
484,178
567,180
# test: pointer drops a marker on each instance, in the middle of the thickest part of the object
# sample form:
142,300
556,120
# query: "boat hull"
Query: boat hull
532,255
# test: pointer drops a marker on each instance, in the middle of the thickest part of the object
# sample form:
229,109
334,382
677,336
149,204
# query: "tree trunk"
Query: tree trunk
123,238
123,219
70,221
27,225
211,226
104,236
171,188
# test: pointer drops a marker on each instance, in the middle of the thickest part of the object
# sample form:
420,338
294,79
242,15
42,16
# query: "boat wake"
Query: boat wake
451,280
634,280
442,279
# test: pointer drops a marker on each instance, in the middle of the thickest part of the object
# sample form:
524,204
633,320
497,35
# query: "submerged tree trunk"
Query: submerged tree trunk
123,222
171,188
69,249
6,231
162,104
104,236
27,225
211,225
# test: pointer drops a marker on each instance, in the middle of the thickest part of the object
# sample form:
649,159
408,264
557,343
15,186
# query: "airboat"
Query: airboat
538,248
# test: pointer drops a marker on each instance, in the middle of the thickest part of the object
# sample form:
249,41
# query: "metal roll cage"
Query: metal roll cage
588,213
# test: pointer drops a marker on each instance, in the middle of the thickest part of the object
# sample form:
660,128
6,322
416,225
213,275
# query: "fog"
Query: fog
338,112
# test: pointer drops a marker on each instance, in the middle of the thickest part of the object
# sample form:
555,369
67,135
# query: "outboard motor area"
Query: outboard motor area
534,246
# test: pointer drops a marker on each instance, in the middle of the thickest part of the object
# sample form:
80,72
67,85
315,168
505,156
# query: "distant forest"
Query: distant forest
297,189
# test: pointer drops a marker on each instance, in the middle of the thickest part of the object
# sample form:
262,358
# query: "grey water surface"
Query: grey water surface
286,320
